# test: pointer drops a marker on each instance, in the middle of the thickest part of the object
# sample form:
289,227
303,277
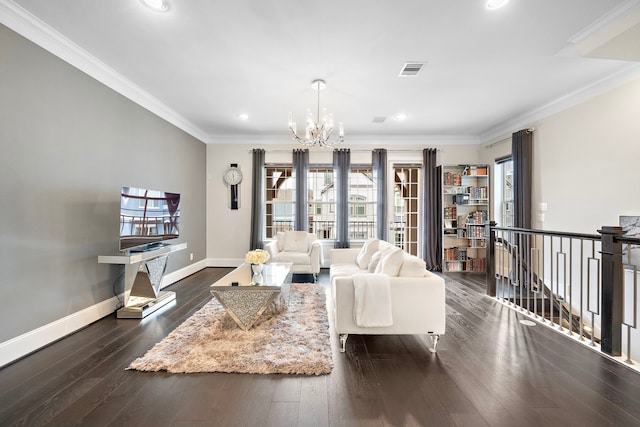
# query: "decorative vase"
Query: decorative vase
256,269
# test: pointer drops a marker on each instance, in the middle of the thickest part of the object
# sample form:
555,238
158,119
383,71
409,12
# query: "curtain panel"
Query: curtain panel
432,210
257,199
341,167
301,169
379,166
522,155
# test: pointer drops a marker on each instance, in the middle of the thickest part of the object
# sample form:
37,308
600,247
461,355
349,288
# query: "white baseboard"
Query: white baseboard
31,341
224,262
177,275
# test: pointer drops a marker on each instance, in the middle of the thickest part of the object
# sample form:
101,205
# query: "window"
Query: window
279,193
503,191
322,217
280,203
357,206
406,212
362,203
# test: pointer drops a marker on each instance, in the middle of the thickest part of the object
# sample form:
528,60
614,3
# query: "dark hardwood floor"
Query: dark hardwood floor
489,370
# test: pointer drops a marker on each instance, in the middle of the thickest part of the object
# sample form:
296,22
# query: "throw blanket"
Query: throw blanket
372,303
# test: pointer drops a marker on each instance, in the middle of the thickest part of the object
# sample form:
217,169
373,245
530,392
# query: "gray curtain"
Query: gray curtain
432,210
341,166
301,169
379,166
257,199
522,155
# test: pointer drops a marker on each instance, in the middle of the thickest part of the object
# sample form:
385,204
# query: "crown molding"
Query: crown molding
618,12
27,25
351,140
560,104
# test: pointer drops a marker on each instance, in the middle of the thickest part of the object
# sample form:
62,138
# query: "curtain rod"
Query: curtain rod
507,139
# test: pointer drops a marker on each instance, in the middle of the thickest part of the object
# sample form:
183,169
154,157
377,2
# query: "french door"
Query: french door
405,223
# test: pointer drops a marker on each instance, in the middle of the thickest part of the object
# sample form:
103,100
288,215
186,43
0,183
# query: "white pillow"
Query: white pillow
280,240
374,261
391,262
383,245
412,266
296,241
368,249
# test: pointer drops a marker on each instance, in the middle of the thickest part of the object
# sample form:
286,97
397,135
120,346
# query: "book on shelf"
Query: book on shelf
451,179
450,212
461,199
475,170
476,264
476,218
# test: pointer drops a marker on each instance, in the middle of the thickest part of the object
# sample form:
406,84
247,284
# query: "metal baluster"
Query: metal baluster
570,296
551,279
581,289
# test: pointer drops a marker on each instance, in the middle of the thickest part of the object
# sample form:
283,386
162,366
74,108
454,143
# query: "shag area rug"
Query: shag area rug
295,341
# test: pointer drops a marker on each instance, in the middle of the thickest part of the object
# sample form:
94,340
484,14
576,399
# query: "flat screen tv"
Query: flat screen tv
148,218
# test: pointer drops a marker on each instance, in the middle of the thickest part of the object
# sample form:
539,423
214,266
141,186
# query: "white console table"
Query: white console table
143,273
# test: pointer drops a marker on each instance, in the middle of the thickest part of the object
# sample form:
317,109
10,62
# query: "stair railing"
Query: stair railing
575,283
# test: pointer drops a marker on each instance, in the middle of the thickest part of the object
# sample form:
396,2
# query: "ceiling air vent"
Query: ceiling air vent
411,69
379,119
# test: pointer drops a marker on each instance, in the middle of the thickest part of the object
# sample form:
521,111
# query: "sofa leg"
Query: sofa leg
434,342
343,342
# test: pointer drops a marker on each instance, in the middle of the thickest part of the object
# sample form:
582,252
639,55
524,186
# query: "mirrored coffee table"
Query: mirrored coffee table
246,301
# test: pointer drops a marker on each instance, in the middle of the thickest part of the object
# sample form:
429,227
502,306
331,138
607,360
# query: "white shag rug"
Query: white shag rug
295,341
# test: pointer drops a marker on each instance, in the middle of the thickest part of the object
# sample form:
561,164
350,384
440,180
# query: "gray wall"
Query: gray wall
68,144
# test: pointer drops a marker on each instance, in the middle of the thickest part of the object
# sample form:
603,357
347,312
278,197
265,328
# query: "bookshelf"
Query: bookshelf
465,206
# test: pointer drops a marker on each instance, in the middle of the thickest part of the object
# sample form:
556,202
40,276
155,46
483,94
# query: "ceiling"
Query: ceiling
204,62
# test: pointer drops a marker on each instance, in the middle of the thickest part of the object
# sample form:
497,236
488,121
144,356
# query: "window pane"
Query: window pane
362,203
279,209
406,208
322,217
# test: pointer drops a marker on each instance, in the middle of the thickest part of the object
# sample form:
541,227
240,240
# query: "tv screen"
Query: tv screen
148,218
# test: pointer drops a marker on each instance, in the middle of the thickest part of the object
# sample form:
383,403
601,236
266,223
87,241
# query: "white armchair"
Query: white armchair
302,249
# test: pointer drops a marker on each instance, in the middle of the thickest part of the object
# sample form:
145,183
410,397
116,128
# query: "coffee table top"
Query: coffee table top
275,275
245,302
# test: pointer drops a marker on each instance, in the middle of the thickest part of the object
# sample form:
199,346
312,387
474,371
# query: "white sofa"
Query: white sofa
302,249
417,295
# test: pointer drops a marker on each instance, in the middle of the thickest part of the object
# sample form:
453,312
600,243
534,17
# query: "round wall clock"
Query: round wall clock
232,177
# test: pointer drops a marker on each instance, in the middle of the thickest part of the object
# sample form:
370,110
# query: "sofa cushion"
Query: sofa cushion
368,249
374,263
391,262
296,241
297,258
280,240
412,266
383,245
342,270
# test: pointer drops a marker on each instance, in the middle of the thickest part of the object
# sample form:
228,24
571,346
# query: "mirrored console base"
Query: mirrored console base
140,309
143,274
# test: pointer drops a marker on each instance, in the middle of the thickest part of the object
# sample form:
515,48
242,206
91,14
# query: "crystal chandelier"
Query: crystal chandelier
318,133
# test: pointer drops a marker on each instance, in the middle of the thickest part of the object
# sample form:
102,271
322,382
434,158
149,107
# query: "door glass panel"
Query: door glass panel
406,210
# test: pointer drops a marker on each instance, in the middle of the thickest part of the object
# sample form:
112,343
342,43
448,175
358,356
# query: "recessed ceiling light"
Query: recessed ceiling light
401,116
496,4
243,116
157,5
